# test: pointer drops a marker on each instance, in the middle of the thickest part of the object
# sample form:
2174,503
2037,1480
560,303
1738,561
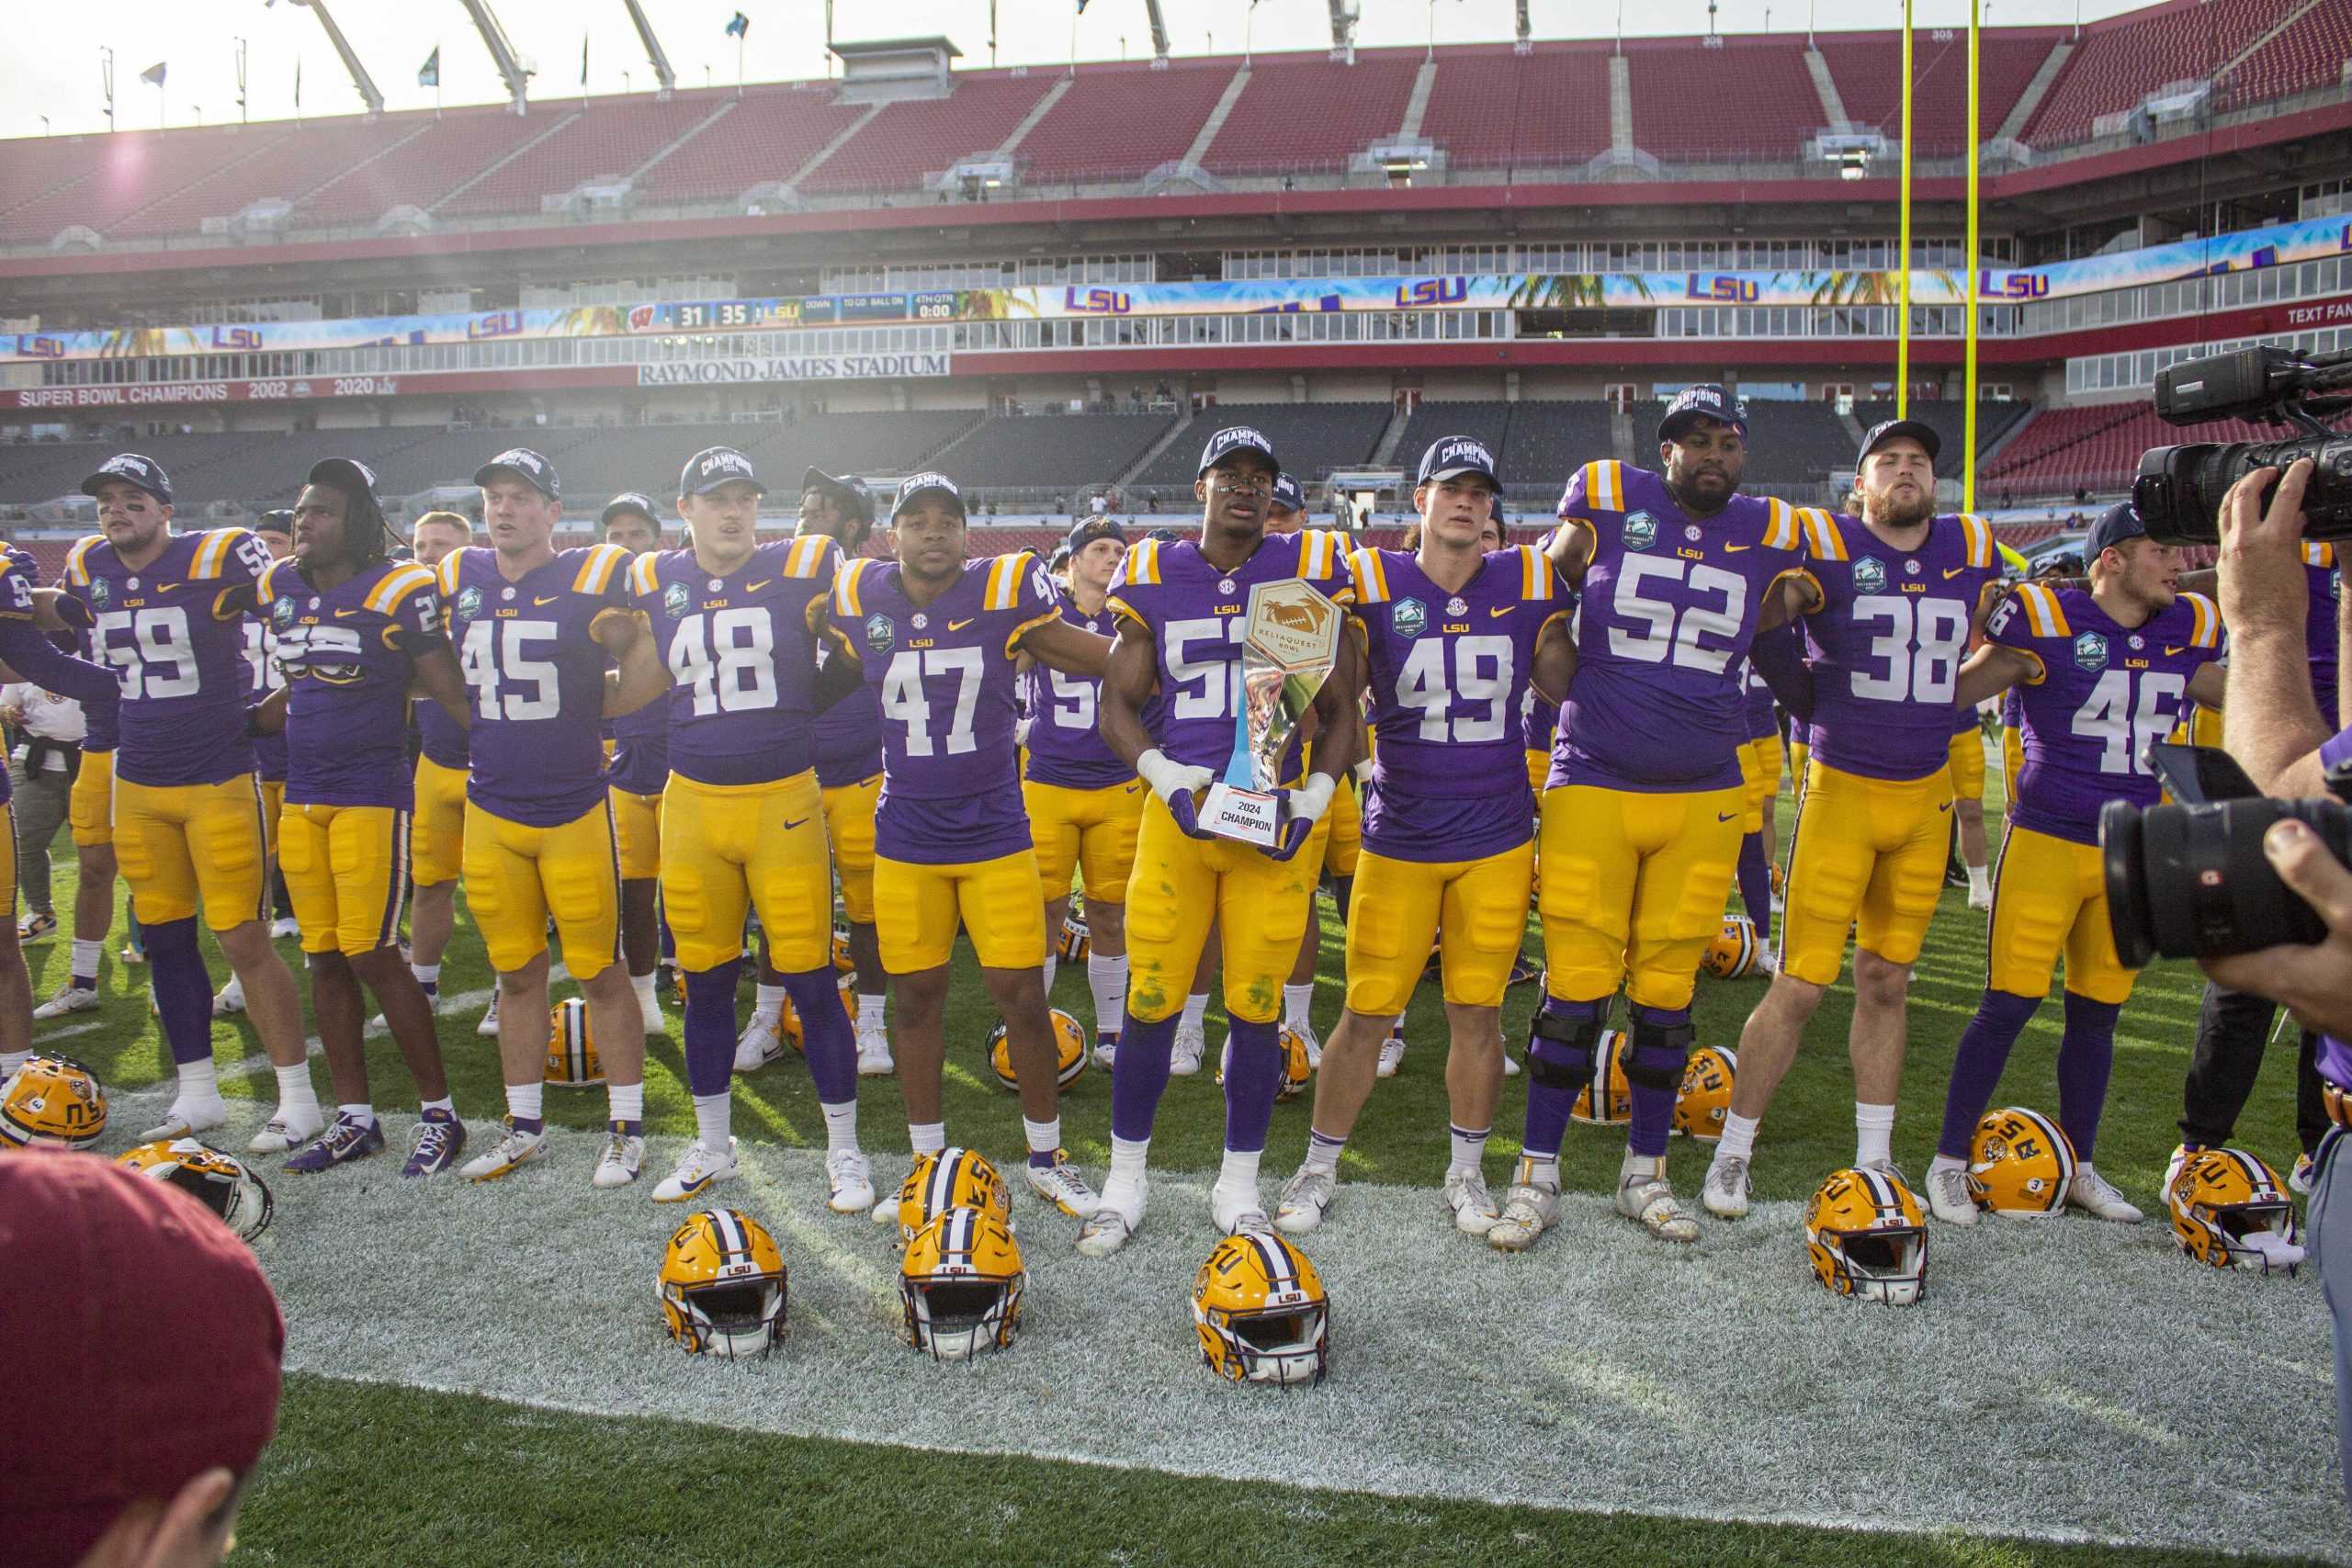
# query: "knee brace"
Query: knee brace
1659,1053
1560,1050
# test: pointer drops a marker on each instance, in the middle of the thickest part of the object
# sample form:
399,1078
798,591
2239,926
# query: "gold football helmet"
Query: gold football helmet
788,1021
951,1179
1865,1234
2222,1198
842,961
571,1050
1260,1310
2020,1164
222,1182
1607,1088
1291,1081
1073,943
961,1282
723,1285
1732,953
1704,1099
53,1099
1069,1046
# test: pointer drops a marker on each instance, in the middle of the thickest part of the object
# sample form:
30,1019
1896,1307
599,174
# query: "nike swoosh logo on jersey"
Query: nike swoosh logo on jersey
339,615
1495,613
755,587
1725,816
1953,571
792,822
959,625
2172,652
1731,550
548,599
1945,806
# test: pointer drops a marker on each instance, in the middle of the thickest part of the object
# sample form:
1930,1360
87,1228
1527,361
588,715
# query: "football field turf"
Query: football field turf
2063,1381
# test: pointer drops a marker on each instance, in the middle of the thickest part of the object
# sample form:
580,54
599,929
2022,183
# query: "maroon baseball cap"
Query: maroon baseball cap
147,1344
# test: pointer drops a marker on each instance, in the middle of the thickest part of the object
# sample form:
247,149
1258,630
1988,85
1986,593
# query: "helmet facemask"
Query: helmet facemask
1886,1265
958,1318
734,1318
1286,1345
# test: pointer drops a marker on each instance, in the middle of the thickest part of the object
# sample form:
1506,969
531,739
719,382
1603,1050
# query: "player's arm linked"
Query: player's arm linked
641,676
1991,670
1073,651
1129,672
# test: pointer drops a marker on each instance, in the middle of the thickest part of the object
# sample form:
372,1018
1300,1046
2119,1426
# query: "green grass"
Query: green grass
369,1474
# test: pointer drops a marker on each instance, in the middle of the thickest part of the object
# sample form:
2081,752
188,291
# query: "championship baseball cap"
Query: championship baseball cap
860,495
635,501
524,464
1093,528
1886,430
1163,535
133,469
1288,497
120,1411
927,483
1706,400
344,474
1237,439
1060,557
277,520
2116,524
715,466
1450,457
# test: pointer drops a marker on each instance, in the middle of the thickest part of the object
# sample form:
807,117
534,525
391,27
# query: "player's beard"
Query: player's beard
1890,510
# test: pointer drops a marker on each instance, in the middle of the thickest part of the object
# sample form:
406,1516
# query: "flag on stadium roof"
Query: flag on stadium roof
429,73
739,26
153,74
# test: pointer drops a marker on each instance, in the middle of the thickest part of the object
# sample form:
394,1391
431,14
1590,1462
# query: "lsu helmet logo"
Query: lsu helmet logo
1409,618
1870,575
677,602
468,602
2090,652
880,634
1639,530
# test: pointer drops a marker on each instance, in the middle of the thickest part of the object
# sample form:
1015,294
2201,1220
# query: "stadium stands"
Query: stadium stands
1792,443
858,443
1122,121
1868,70
1313,438
1312,114
132,169
452,149
1042,450
768,135
289,169
607,140
909,140
1753,98
1489,423
2098,448
2120,61
1949,421
1495,110
2309,55
1550,440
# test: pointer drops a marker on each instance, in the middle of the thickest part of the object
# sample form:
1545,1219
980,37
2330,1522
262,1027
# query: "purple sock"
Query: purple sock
1661,1058
1756,884
1139,1075
1548,1103
826,1037
1976,1066
2084,1054
710,1028
182,988
1252,1069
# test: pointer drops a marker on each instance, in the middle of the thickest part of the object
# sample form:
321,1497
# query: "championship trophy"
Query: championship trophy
1291,642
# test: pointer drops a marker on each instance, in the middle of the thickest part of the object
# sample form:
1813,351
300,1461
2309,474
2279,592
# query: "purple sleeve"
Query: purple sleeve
2336,751
33,655
1776,658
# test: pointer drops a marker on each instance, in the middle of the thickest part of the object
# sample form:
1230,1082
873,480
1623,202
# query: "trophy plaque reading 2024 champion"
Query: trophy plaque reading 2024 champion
1291,643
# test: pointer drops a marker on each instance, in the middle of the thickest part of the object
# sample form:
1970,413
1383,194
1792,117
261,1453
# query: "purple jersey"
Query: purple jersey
849,737
1066,744
2323,572
261,661
944,674
1539,721
1887,639
444,741
1667,610
1197,614
2104,690
742,657
1758,696
535,672
1448,675
349,653
641,760
174,632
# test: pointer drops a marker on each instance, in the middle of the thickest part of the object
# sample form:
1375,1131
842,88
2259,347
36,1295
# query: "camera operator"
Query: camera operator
2272,726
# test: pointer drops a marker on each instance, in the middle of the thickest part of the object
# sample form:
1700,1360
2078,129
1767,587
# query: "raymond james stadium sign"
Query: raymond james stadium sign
797,367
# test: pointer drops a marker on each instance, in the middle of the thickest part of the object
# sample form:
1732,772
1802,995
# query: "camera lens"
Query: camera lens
2192,881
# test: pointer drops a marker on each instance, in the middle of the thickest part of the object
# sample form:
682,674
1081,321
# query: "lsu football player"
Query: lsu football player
1182,614
167,609
1759,770
938,636
640,768
1643,808
737,624
1084,803
89,814
353,631
533,626
2099,674
1450,632
1892,597
438,819
849,777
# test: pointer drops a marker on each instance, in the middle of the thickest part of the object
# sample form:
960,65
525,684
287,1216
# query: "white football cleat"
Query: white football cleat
1510,1067
761,1043
231,999
2096,1196
488,1027
1306,1198
623,1158
186,1119
873,1053
1233,1212
1948,1196
283,926
1983,902
1530,1209
1724,1191
696,1173
1191,1044
1471,1205
287,1130
67,998
849,1183
1061,1185
513,1150
1106,1052
1392,1054
1305,1032
2299,1180
1644,1195
1107,1229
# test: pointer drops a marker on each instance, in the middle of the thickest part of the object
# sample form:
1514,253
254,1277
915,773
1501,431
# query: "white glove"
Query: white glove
1166,776
1363,771
1021,731
1311,799
2276,1250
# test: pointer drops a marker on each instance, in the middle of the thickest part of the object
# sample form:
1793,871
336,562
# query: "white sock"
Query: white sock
1536,1170
1238,1174
526,1101
1322,1151
445,1105
1980,881
1738,1140
199,1081
1053,962
771,1003
1946,1162
1122,1188
11,1060
1298,1001
647,1001
86,958
869,1011
294,1090
1107,977
1045,1137
841,1127
1469,1149
625,1102
927,1137
711,1117
1873,1133
360,1112
427,973
1196,1010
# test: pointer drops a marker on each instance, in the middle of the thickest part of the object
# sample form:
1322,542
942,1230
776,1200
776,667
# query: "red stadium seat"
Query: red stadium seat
1120,122
1299,115
1868,70
1757,99
2120,61
909,140
768,135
